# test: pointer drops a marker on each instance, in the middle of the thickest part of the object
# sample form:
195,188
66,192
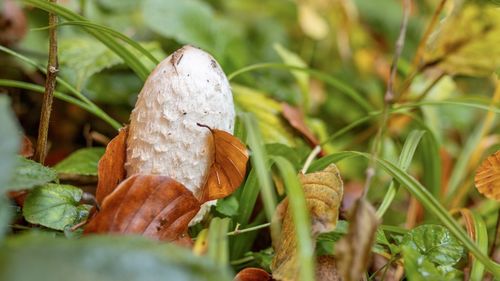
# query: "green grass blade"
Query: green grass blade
242,243
91,106
41,89
111,32
452,102
218,249
404,162
128,57
328,79
260,164
477,269
300,215
459,171
432,205
430,157
61,96
323,162
249,194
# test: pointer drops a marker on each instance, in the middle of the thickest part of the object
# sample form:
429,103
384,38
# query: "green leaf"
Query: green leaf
301,77
128,57
431,250
188,21
83,101
228,206
5,215
404,162
294,155
435,243
55,206
81,162
29,173
259,162
102,258
81,57
430,203
267,112
9,142
421,269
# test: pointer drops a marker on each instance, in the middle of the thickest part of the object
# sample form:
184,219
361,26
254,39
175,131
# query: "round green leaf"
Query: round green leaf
435,243
54,206
103,258
29,173
81,162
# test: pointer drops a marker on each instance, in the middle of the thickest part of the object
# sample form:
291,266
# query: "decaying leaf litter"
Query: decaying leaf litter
159,177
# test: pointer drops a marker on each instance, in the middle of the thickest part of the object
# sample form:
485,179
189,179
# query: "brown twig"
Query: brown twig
389,95
50,84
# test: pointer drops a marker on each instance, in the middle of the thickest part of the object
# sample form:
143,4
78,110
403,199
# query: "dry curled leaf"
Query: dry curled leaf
323,192
353,250
296,119
228,167
150,205
111,170
253,274
487,177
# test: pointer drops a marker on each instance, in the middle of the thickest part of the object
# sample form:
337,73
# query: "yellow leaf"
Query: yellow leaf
323,193
311,22
467,42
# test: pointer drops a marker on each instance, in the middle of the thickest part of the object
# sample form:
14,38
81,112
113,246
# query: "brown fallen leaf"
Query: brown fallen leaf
326,269
323,192
296,119
13,23
487,177
111,170
253,274
150,205
353,251
26,148
228,168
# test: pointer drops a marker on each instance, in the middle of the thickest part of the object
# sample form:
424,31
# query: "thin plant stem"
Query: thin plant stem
242,260
48,97
416,66
310,158
250,229
427,90
388,97
91,107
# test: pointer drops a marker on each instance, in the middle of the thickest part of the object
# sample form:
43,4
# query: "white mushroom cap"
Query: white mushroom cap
187,88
